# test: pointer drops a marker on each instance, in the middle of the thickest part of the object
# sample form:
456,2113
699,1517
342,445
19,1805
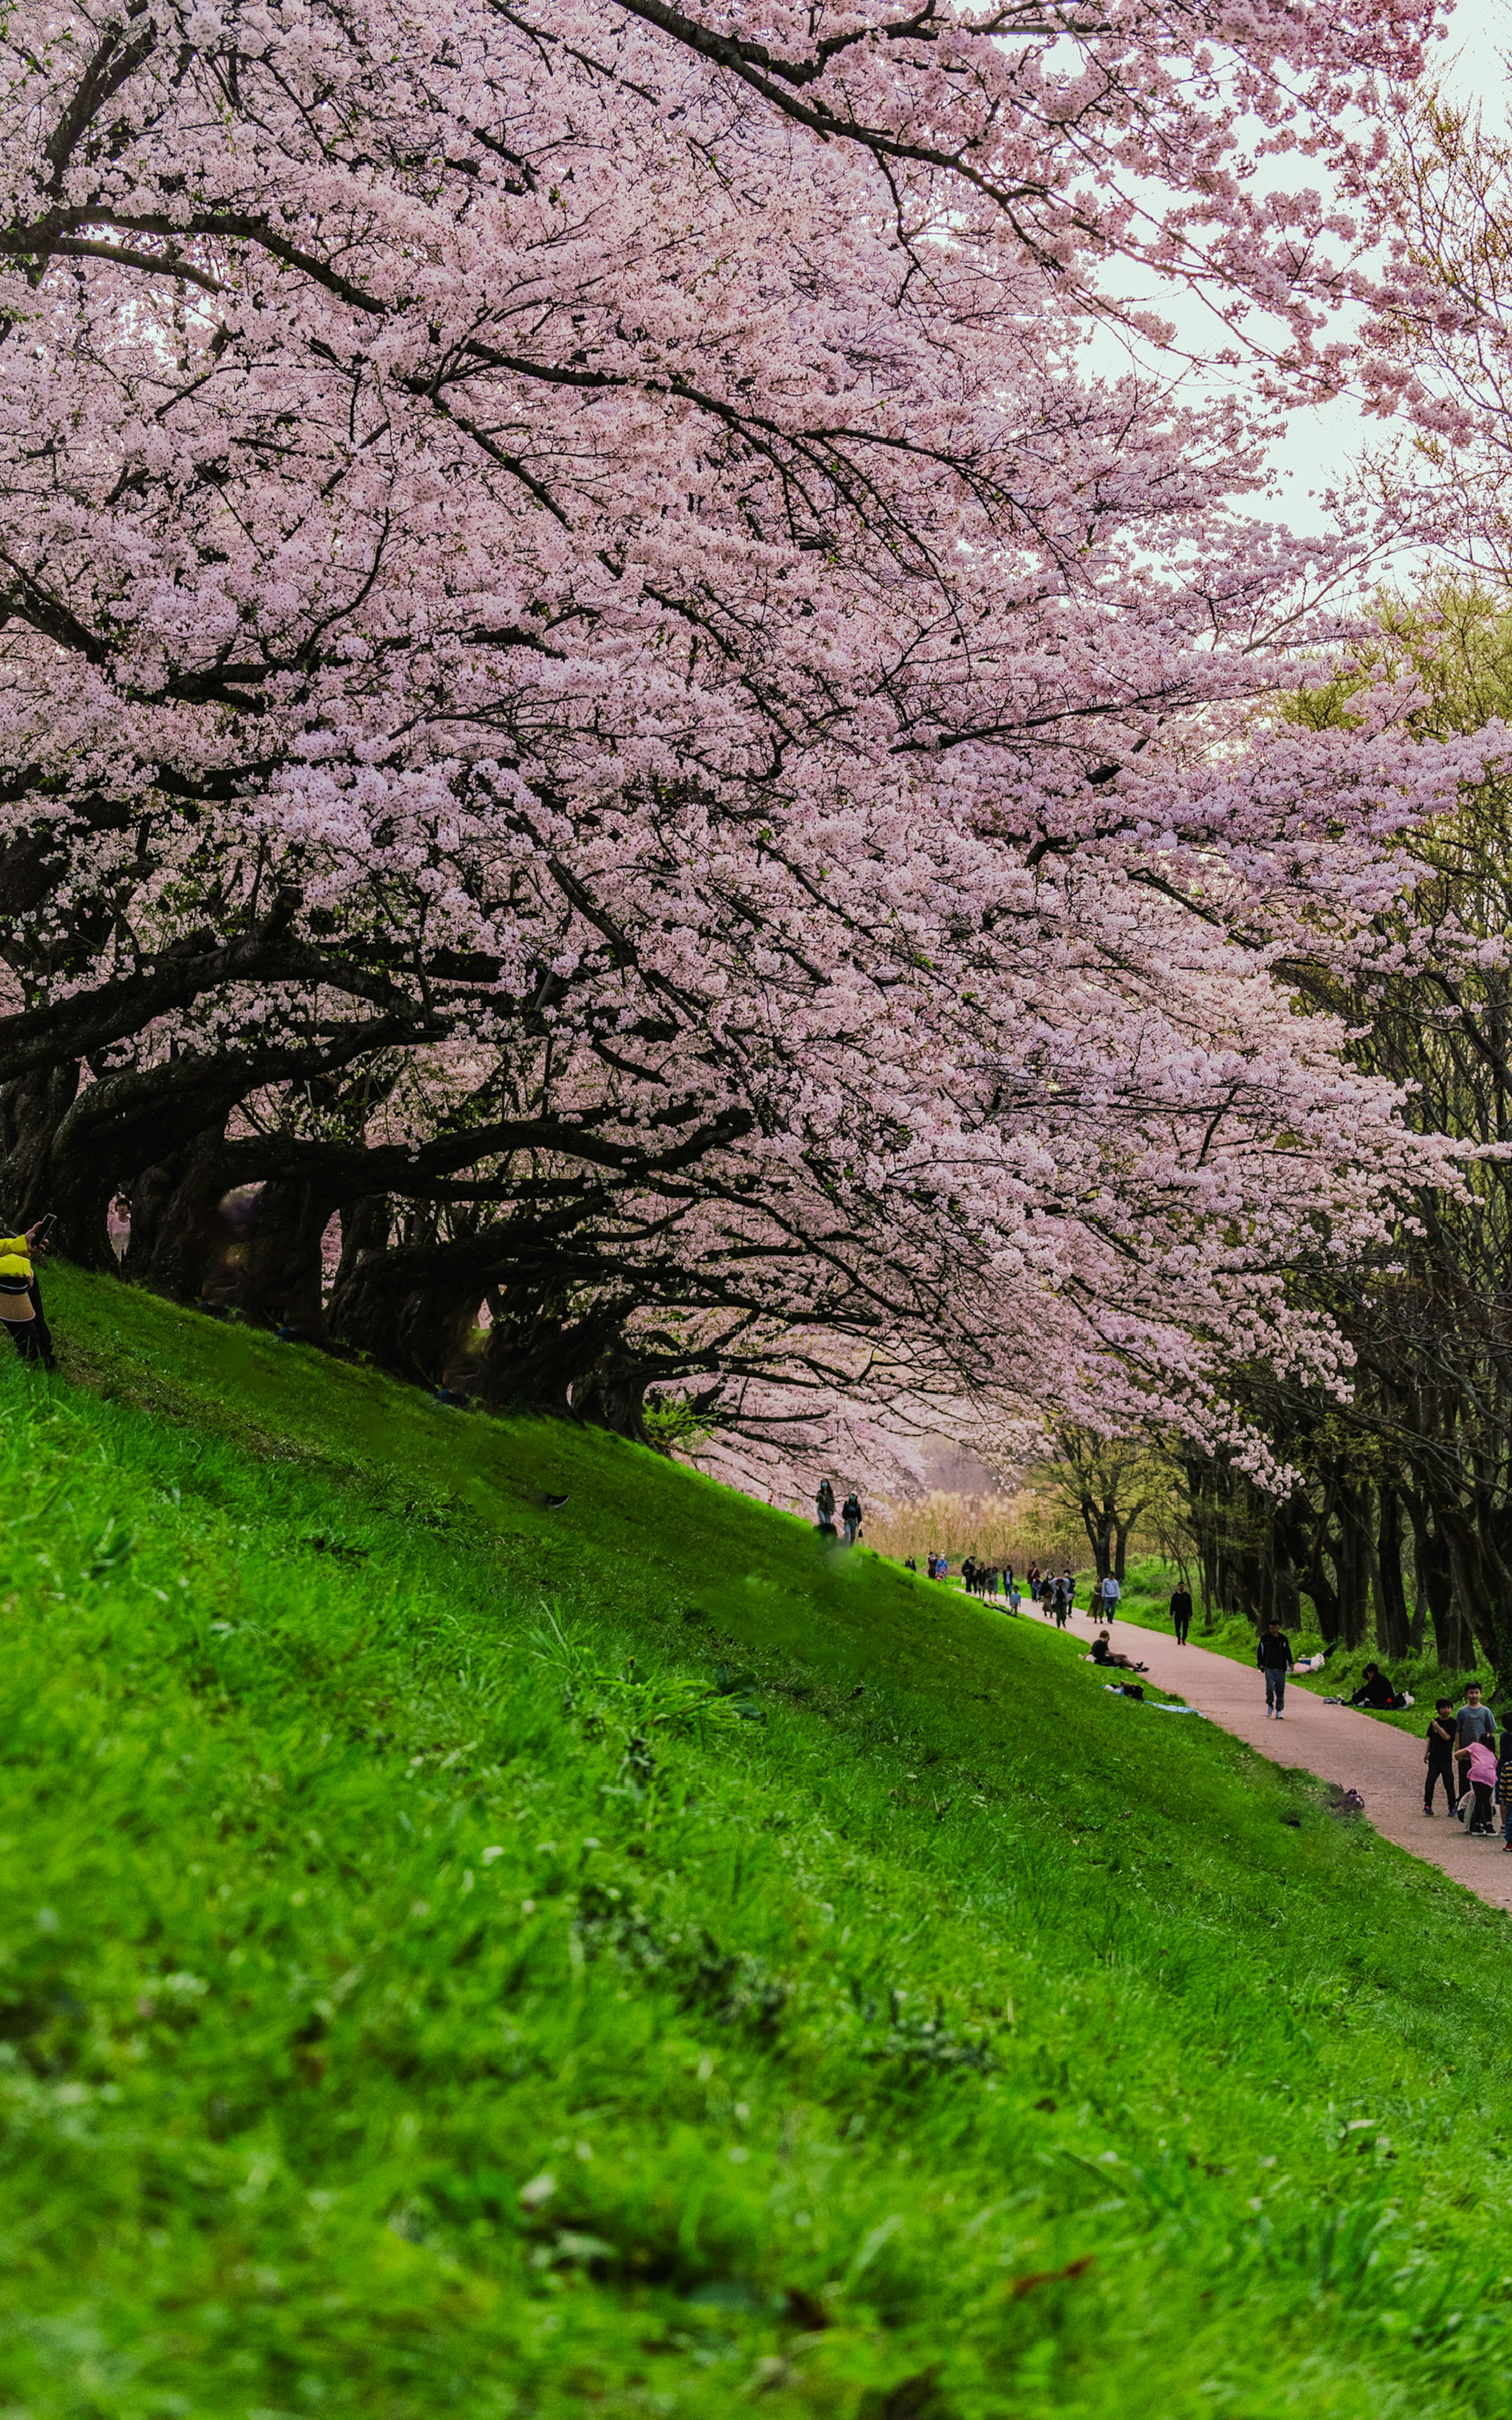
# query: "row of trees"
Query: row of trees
1388,1506
593,699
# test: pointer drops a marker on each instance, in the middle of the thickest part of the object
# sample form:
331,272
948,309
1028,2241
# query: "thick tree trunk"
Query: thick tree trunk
614,1396
537,1353
285,1275
366,1224
408,1308
1351,1569
1318,1584
1391,1625
1452,1640
39,1174
181,1243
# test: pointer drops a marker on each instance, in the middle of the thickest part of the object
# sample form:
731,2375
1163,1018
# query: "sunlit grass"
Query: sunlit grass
410,2004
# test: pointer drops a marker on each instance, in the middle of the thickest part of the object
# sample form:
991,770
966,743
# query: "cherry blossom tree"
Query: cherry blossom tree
591,684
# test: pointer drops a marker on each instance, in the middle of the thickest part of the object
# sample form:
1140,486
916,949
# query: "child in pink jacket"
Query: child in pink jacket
1481,1763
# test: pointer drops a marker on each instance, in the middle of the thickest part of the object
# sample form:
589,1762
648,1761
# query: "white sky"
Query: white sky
1320,444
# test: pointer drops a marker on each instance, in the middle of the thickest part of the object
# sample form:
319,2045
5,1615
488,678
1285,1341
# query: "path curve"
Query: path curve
1336,1743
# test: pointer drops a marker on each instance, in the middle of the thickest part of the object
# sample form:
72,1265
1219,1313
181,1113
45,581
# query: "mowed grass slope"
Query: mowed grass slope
408,2006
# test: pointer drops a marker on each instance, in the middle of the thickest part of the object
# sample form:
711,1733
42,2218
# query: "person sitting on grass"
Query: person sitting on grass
1375,1690
1102,1653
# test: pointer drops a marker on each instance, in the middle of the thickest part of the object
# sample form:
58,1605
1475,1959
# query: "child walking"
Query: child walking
1439,1757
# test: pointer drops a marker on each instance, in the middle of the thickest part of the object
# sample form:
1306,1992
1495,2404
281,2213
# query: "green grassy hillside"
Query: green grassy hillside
410,2004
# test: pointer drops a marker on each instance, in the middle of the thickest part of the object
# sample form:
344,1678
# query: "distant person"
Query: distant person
1274,1657
1032,1575
825,1506
21,1296
1481,1765
1374,1690
1069,1579
1061,1604
1008,1579
1181,1612
909,1565
968,1573
1016,1594
1110,1593
1439,1757
850,1514
942,1567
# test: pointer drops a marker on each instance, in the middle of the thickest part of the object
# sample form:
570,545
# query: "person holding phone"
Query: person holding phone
21,1297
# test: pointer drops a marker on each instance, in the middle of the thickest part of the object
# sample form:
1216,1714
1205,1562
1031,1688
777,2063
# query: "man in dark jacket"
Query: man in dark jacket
1181,1612
1274,1657
1439,1757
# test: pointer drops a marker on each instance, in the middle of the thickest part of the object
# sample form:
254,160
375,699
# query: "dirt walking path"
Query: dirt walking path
1384,1765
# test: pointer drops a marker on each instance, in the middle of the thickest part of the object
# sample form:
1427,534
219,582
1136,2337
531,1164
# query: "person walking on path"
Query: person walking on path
1110,1593
1061,1605
850,1513
1274,1657
1439,1757
1180,1613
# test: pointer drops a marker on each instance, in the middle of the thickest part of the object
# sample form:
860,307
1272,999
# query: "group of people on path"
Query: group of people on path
1462,1750
1475,1768
1053,1592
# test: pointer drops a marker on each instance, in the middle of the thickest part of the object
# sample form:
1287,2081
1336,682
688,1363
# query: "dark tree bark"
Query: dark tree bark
540,1351
408,1308
181,1242
1391,1625
1452,1640
364,1228
613,1395
41,1173
285,1275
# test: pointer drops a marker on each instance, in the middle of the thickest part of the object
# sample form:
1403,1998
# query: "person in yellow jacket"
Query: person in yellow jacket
21,1300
